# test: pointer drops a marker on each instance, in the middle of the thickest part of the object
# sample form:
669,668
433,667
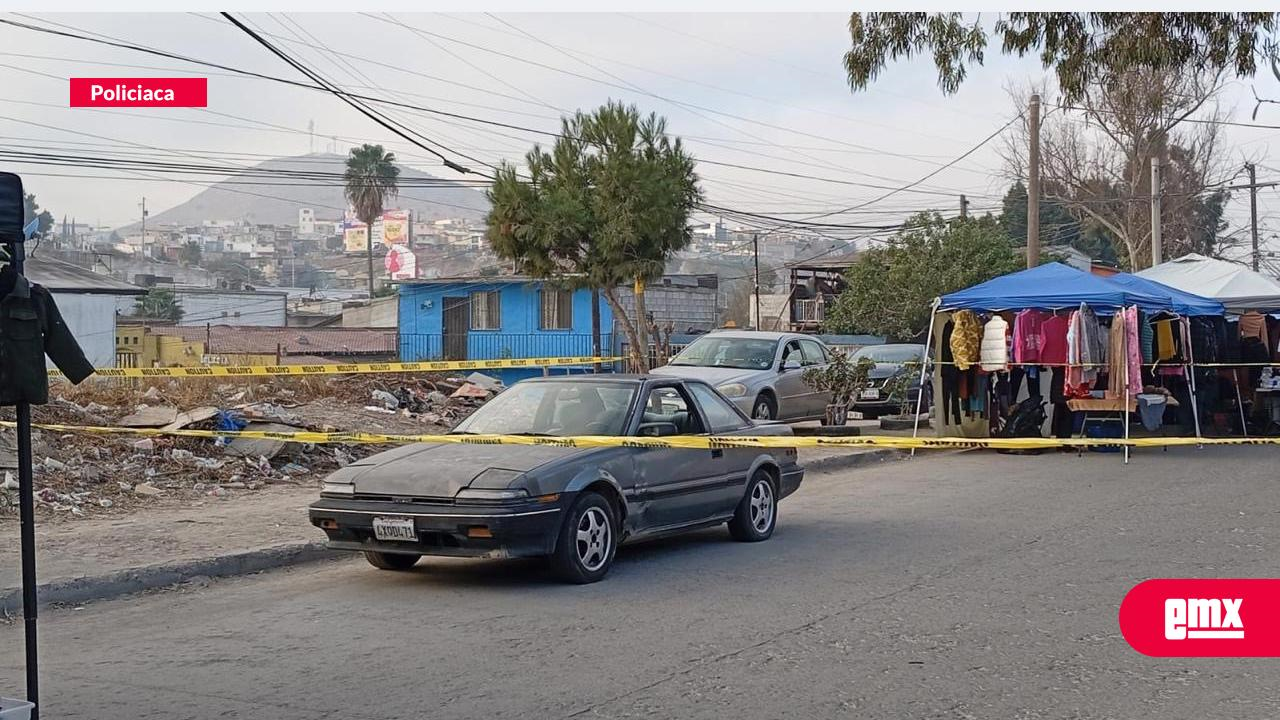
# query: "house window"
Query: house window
557,310
486,310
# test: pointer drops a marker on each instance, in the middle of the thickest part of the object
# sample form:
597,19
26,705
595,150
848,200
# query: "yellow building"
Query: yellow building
138,346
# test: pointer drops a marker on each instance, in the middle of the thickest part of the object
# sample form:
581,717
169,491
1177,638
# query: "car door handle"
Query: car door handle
717,453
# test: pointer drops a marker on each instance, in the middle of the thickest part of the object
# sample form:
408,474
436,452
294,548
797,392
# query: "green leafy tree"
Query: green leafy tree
31,210
371,178
1057,226
190,253
159,304
891,288
1081,47
608,204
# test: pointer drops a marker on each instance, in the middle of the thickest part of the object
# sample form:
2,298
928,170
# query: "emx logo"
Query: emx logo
1203,618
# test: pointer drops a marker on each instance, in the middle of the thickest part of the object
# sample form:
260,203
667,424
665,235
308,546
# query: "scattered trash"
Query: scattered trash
294,469
148,417
147,489
10,482
54,465
487,382
217,491
145,444
386,399
470,390
191,417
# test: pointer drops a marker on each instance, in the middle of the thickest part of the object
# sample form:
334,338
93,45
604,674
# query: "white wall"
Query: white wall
92,318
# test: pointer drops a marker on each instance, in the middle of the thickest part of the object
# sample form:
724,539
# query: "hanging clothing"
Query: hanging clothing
950,375
1028,335
1132,351
1165,349
966,339
994,352
1147,338
1093,343
1254,324
30,328
1053,340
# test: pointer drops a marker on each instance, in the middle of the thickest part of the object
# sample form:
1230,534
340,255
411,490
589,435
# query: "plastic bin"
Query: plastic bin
11,709
1104,430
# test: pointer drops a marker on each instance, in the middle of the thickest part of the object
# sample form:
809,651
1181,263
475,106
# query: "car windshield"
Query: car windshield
728,352
891,353
558,409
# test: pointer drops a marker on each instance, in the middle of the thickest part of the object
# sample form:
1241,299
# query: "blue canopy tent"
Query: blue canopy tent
1054,286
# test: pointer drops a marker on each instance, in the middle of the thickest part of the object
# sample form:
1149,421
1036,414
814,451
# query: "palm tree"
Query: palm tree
371,178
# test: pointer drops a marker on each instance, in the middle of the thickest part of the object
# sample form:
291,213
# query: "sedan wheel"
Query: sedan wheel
588,540
757,514
391,561
763,409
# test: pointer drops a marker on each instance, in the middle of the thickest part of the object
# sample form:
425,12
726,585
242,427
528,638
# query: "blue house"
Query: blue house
495,318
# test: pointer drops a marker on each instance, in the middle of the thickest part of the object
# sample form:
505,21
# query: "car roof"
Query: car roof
628,378
759,334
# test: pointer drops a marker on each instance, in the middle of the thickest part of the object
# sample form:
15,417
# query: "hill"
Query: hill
276,200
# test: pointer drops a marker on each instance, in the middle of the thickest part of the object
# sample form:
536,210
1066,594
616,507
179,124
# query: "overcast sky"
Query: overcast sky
761,90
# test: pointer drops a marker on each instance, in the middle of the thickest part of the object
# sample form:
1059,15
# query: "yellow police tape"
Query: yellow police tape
714,442
345,369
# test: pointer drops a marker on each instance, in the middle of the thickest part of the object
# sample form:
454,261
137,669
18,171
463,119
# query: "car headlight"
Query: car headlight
491,494
333,488
733,390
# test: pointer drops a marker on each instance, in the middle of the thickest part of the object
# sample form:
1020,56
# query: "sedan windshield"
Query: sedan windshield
728,352
558,409
891,353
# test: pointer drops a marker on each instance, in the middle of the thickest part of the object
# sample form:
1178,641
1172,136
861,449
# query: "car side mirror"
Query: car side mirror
790,364
658,429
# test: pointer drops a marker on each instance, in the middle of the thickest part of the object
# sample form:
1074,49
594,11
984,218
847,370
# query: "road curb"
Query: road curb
124,582
851,460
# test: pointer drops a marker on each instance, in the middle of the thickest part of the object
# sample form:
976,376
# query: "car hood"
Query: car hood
711,375
441,470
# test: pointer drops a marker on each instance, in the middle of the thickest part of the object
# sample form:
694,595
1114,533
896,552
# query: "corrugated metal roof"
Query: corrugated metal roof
64,277
240,339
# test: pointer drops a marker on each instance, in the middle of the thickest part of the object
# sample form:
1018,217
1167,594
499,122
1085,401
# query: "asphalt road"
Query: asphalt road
964,586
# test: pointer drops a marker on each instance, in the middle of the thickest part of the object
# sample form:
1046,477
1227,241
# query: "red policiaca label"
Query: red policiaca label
139,92
1203,618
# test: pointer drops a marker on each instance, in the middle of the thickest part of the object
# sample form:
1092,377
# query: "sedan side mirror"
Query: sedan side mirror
790,364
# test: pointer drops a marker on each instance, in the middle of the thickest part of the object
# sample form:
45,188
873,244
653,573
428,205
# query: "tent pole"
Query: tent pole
924,366
1191,382
1124,318
1244,428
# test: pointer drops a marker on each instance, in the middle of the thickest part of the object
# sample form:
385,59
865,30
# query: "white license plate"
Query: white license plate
855,415
871,394
394,528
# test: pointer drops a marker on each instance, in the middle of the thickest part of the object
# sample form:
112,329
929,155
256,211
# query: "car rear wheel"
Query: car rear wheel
764,408
391,561
588,541
757,513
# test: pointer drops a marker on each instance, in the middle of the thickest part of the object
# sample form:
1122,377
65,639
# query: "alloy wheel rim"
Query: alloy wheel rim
593,539
762,411
761,506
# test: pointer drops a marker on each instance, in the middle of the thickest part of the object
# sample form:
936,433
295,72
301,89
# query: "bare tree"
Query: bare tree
1096,159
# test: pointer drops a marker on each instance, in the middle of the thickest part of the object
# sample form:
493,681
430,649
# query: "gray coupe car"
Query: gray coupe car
573,504
761,372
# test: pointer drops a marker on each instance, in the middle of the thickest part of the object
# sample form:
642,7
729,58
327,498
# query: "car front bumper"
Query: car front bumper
460,531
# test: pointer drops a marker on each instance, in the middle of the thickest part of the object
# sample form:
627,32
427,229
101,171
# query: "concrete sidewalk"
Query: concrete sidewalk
97,559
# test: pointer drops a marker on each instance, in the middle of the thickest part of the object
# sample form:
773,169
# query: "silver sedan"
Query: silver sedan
761,372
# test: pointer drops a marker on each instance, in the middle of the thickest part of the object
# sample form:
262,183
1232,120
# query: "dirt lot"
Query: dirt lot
81,475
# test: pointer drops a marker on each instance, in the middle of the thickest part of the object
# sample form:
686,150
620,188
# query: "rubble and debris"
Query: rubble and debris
471,390
386,399
266,447
146,489
55,465
144,445
147,416
487,382
191,417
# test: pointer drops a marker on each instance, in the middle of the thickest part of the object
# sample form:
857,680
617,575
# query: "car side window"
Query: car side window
813,354
792,351
720,414
669,405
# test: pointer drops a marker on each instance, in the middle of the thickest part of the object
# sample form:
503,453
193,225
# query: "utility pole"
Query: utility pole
1157,193
1033,183
642,327
755,252
964,207
144,224
1253,210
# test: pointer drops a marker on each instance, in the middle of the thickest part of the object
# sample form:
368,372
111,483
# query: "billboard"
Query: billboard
391,229
401,264
354,233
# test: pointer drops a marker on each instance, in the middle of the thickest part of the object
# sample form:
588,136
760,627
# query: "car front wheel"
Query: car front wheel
757,512
391,561
765,408
588,541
